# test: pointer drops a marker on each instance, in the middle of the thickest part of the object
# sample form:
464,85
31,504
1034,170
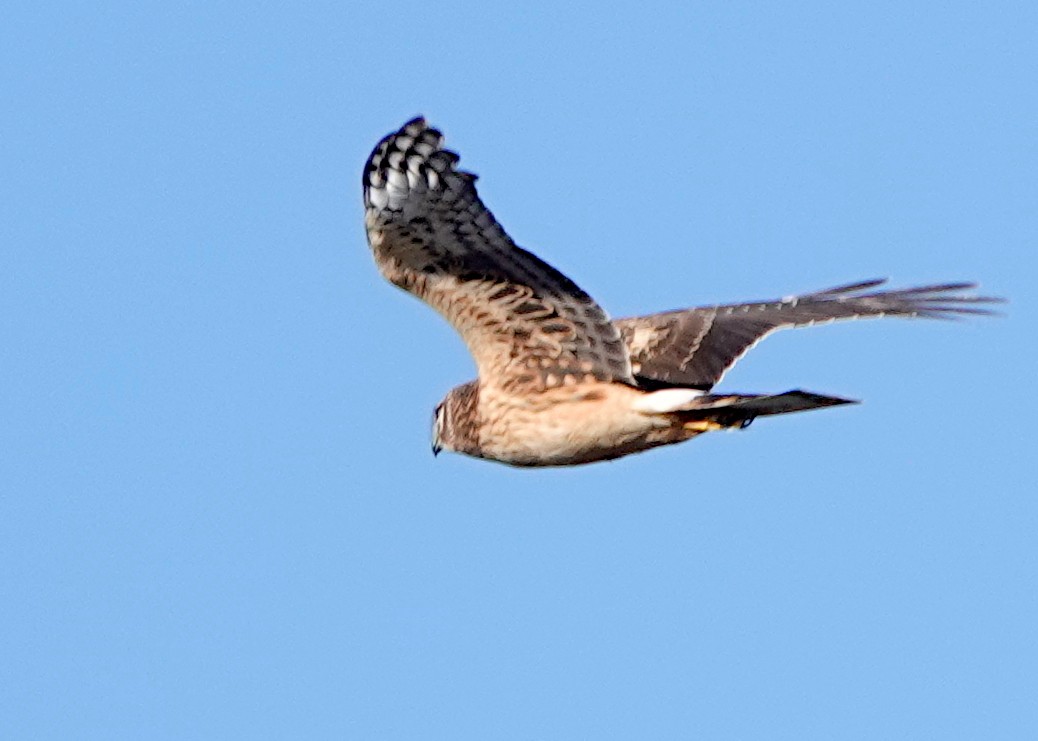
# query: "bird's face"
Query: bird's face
453,421
438,426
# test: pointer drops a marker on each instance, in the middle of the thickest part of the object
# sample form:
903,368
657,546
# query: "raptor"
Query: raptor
559,382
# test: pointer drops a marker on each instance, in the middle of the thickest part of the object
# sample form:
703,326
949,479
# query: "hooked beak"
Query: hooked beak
436,449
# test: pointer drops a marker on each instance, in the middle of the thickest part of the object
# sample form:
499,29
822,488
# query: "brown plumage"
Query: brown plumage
559,382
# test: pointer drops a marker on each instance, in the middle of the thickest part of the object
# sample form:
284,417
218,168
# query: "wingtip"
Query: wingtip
416,125
410,159
823,399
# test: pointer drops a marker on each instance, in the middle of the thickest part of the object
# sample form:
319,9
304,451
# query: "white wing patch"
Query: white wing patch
665,401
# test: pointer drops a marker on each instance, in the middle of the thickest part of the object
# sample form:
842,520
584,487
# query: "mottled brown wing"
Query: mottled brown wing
524,322
695,347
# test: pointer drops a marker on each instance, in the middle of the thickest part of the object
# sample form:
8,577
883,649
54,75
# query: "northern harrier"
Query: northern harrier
560,383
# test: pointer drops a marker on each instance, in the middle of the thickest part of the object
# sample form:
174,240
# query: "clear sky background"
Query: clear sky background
219,514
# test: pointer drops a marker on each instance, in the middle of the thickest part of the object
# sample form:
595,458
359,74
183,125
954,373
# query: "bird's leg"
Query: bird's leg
702,425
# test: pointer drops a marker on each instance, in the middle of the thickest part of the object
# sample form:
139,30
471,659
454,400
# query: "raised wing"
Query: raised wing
524,322
695,347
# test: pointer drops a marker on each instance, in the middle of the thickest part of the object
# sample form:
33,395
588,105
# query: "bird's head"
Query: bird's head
455,422
438,425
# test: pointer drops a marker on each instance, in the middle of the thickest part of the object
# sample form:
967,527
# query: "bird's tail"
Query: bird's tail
738,410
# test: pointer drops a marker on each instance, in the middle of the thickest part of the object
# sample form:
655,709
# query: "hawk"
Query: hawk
559,382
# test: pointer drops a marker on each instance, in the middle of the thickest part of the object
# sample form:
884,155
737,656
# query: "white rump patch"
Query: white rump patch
667,400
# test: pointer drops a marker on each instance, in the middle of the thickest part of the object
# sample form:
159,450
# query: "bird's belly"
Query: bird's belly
568,434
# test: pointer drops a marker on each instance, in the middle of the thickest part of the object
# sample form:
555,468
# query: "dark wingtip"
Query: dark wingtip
824,399
415,144
857,286
949,300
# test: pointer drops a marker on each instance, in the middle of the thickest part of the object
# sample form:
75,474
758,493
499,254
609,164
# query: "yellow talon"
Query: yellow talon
702,425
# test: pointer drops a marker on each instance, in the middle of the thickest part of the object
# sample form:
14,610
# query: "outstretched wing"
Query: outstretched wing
524,322
694,347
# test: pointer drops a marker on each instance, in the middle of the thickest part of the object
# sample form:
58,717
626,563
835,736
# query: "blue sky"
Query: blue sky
219,515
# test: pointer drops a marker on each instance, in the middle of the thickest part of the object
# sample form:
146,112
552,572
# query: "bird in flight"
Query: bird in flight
559,382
